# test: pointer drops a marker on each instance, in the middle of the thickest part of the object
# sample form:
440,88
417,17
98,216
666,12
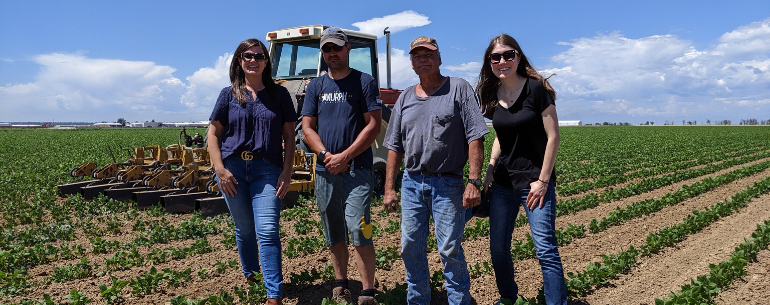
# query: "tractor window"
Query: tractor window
363,57
298,59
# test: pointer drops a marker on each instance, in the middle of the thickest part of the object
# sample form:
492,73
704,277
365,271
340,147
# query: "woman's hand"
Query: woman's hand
282,186
536,194
227,182
488,178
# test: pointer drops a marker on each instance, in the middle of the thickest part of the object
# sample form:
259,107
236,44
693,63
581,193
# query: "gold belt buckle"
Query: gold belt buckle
247,155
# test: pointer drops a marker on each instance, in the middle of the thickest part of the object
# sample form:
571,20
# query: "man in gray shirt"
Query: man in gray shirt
436,126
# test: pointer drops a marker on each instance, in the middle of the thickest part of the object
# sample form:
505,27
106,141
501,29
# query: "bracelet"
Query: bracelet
544,182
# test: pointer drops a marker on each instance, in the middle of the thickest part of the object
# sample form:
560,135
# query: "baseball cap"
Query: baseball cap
423,42
334,35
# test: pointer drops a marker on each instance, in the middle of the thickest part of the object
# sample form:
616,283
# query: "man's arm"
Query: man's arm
472,195
360,144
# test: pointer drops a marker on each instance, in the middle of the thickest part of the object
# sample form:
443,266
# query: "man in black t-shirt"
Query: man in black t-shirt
341,120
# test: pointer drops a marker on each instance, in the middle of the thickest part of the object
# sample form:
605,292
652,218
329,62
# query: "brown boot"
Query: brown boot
340,295
274,301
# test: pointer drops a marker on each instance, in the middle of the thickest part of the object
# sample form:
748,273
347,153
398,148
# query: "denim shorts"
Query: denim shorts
344,204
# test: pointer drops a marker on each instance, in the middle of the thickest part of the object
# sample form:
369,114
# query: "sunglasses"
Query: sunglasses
507,55
328,49
254,56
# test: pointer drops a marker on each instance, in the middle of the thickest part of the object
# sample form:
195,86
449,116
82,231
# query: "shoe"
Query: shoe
340,294
364,300
274,301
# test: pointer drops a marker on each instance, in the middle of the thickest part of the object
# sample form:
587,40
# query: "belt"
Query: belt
248,155
448,174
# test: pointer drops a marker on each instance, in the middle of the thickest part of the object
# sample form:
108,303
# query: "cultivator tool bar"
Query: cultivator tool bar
180,178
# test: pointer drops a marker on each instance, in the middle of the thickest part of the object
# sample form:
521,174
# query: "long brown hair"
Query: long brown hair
486,89
238,77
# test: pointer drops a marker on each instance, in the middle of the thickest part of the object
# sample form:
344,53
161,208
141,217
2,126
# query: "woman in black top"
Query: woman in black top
520,104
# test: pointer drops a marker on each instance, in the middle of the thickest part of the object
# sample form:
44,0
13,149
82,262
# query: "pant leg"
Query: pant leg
415,212
503,210
358,188
330,198
242,212
542,223
449,222
267,212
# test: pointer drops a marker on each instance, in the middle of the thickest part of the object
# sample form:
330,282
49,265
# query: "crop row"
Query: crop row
148,283
597,274
19,257
604,181
595,152
703,289
525,249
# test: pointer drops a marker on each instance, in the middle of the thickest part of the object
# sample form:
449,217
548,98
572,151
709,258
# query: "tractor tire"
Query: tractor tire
378,169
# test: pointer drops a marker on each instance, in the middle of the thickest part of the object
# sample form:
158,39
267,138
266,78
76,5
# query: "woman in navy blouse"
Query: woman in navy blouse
521,105
252,128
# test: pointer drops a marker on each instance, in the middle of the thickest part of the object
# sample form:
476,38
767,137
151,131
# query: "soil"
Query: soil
753,288
655,276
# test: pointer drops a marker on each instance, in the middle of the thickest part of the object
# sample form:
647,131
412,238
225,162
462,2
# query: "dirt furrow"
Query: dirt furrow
577,255
656,276
751,289
585,216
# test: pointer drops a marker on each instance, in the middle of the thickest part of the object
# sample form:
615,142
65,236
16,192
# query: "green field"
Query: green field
50,245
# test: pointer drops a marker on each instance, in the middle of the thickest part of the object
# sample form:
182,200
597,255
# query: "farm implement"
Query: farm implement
179,177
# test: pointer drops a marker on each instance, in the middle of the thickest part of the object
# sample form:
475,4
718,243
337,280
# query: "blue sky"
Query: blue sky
167,60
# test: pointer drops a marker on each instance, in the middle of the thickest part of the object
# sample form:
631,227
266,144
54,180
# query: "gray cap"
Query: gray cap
334,35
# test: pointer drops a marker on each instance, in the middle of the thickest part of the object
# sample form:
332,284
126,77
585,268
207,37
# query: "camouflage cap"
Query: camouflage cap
423,42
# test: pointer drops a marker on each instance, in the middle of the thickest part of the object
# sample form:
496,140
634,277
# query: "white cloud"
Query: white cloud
402,75
469,71
664,76
75,87
395,23
206,83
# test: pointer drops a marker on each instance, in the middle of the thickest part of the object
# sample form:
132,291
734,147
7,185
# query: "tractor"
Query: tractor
296,59
181,177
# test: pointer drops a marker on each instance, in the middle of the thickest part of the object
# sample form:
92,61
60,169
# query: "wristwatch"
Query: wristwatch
322,154
477,182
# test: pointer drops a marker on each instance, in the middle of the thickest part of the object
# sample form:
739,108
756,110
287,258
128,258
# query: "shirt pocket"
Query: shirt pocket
442,126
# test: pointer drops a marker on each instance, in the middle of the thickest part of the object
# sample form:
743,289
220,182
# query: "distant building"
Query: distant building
570,123
201,124
146,124
106,125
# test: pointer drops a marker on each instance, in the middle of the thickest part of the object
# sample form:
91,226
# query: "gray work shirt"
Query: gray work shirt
433,132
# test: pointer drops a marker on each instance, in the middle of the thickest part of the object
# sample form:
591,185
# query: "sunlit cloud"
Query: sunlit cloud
665,76
75,87
402,75
395,23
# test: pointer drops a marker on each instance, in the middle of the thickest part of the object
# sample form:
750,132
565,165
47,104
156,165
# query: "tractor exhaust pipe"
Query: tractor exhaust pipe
387,56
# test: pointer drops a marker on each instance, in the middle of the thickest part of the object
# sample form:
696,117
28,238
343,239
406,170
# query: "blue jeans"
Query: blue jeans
344,204
503,209
440,197
256,211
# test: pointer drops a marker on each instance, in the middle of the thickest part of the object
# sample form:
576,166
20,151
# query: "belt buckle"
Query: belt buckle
247,155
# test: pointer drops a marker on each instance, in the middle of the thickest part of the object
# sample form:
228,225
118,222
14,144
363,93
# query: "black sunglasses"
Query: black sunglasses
254,56
507,55
328,49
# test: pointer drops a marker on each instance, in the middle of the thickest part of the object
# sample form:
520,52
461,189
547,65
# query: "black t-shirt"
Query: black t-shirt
339,106
522,137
